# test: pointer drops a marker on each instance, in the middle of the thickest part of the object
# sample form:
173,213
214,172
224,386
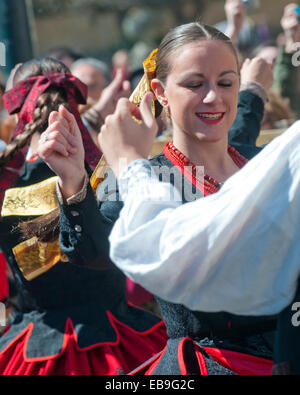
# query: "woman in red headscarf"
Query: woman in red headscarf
71,319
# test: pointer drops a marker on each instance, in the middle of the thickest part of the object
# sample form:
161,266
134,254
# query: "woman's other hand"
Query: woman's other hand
61,147
235,11
259,71
110,96
123,139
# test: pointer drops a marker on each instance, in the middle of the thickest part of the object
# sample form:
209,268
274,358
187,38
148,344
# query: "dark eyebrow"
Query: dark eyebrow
227,72
203,76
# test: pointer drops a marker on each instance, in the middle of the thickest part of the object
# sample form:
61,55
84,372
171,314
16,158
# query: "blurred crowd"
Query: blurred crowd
282,107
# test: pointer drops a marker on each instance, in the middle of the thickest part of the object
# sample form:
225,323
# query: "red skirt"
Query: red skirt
239,363
3,278
129,351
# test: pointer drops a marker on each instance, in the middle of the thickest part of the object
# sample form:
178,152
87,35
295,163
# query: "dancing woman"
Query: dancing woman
226,246
200,91
71,319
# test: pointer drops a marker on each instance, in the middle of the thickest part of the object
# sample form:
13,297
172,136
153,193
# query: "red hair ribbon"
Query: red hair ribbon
22,99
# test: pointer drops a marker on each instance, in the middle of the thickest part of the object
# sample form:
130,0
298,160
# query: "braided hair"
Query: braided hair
49,101
45,227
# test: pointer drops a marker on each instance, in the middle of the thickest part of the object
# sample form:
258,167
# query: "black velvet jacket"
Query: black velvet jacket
231,331
76,290
72,290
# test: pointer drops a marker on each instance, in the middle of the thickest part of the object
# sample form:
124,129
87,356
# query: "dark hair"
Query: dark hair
39,66
46,227
60,53
185,34
135,77
47,102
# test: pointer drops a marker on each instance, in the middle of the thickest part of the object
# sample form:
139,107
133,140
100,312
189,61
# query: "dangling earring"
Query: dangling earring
167,120
167,111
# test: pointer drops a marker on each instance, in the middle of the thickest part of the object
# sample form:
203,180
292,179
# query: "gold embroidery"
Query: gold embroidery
136,97
35,257
41,198
99,173
144,85
37,199
150,63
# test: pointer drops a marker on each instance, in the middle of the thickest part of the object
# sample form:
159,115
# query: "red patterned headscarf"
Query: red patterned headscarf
22,99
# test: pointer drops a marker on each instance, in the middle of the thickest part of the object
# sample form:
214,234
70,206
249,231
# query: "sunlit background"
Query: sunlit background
99,28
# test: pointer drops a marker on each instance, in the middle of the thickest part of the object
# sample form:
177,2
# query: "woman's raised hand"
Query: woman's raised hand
257,70
235,11
291,27
61,147
123,139
110,96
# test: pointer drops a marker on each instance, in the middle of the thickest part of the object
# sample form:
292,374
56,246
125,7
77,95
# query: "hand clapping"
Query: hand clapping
61,147
122,137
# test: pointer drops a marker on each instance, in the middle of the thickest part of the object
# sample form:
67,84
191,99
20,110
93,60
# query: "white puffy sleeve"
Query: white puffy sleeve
236,251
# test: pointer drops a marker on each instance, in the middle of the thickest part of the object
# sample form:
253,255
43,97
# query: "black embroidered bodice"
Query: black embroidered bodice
67,290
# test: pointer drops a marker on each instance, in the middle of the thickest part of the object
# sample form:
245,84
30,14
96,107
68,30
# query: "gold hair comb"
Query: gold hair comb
144,85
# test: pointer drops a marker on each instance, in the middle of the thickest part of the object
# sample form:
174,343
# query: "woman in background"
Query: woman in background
199,89
72,319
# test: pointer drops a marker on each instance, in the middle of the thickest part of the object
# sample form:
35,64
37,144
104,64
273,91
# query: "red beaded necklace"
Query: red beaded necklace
210,185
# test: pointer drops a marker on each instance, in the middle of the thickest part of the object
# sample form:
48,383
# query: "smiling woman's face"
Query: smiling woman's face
202,88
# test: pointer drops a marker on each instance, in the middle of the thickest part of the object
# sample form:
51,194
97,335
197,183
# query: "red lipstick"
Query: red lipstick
210,118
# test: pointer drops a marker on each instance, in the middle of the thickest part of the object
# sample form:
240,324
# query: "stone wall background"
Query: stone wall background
98,33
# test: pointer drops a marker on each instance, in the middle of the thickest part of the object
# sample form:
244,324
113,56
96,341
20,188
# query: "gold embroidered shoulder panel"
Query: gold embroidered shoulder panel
35,258
37,199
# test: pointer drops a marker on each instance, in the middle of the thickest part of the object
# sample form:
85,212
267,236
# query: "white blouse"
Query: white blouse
236,251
